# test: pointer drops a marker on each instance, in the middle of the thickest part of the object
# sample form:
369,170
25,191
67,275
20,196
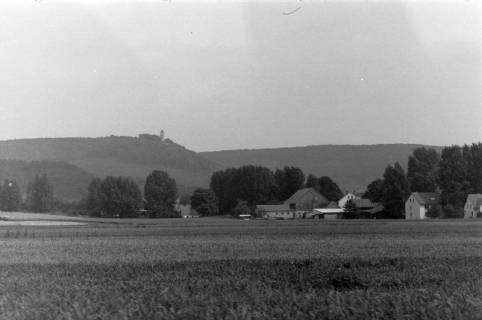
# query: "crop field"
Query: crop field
234,269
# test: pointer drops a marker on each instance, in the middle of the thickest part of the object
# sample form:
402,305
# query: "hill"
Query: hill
118,156
351,166
70,182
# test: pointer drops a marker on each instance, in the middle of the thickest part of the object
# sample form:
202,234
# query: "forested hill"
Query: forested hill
118,156
351,166
70,182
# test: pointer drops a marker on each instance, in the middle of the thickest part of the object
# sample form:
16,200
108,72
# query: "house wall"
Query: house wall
470,211
413,209
278,214
349,196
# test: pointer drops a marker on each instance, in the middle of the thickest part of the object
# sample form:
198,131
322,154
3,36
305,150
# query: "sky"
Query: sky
220,75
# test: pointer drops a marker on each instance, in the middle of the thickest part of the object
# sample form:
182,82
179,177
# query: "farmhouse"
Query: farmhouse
473,206
306,200
347,197
418,203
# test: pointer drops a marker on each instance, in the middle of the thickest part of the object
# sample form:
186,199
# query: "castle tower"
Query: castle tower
162,135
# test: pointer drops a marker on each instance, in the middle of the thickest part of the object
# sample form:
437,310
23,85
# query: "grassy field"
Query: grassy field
235,269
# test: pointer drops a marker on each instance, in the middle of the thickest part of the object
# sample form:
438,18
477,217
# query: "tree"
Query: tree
473,158
119,197
374,191
40,194
422,170
396,190
330,189
242,208
160,192
453,177
94,197
289,180
204,202
313,182
253,184
434,211
351,210
10,196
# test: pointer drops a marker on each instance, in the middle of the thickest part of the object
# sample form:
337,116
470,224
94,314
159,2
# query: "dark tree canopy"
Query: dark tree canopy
253,184
351,210
94,198
160,192
374,191
289,180
242,208
10,196
204,202
395,191
473,156
313,182
119,197
453,176
422,170
330,189
40,194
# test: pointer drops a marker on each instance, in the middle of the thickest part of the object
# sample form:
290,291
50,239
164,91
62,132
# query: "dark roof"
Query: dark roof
476,200
273,207
376,209
295,198
427,197
332,205
364,203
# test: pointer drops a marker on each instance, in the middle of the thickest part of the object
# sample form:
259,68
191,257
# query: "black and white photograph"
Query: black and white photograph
241,159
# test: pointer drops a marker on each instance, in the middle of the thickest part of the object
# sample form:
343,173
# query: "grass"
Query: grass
233,269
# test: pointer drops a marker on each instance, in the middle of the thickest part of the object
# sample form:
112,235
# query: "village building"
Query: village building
298,206
347,197
306,200
473,206
330,212
277,211
419,203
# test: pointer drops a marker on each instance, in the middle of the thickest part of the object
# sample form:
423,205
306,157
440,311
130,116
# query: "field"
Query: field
235,269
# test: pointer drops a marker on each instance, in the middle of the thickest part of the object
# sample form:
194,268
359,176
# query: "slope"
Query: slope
351,166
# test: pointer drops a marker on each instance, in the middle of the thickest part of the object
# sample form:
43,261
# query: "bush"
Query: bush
451,211
435,212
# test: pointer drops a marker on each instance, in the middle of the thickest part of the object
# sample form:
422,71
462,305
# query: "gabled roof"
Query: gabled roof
476,199
295,198
427,197
332,205
273,207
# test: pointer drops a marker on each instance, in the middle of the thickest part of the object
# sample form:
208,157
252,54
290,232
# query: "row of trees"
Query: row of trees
121,197
39,198
455,173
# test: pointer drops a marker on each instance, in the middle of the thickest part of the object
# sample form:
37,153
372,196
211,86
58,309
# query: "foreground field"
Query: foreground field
231,269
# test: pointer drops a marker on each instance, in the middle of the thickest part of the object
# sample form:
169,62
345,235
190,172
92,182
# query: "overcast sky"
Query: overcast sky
229,75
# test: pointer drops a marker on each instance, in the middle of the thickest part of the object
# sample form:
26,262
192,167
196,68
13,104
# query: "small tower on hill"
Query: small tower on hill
162,135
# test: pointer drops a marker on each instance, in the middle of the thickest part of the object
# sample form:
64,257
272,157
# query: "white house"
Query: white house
347,197
418,203
473,206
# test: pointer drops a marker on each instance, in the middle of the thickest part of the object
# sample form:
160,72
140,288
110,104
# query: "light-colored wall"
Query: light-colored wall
469,210
349,196
278,214
413,209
